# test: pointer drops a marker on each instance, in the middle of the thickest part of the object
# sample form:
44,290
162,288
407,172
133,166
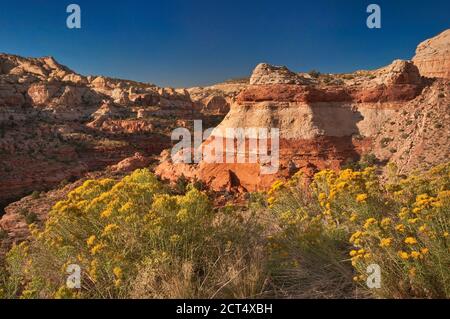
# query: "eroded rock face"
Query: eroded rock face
433,56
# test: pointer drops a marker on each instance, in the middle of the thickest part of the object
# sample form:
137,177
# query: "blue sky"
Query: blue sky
198,42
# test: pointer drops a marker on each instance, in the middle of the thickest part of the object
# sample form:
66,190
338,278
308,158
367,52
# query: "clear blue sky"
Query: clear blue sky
197,42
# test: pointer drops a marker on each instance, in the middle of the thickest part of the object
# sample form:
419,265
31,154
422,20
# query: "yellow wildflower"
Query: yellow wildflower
118,272
403,255
410,241
415,255
355,236
97,248
90,241
93,270
385,242
400,228
370,222
403,213
333,194
106,213
322,197
385,222
424,251
361,198
423,228
109,228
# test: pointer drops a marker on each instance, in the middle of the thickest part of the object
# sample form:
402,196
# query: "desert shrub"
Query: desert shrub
3,233
35,195
315,222
133,239
31,218
181,184
385,141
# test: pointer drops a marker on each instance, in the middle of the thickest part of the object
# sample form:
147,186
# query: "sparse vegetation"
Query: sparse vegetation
35,195
366,161
181,184
314,73
3,234
31,218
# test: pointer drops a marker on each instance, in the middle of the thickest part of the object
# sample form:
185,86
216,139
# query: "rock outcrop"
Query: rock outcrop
433,56
269,74
132,163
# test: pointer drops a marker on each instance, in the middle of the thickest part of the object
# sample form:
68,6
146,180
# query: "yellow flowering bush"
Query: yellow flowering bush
133,238
410,245
401,225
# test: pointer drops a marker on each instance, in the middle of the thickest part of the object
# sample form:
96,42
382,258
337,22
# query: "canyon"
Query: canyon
59,128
